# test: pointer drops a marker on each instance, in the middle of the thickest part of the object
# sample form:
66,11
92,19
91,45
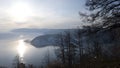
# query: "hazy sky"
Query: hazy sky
40,13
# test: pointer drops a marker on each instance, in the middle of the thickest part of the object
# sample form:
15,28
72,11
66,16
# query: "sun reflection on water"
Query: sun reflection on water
21,48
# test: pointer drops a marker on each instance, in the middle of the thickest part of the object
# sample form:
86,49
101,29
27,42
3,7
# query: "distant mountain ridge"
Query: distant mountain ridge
44,31
44,40
105,36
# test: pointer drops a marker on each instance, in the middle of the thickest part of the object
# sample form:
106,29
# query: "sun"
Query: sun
20,11
21,48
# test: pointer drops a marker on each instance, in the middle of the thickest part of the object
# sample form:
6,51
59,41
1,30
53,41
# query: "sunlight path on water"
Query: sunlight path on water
21,48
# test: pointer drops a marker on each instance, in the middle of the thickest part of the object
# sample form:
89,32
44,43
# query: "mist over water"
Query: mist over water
10,48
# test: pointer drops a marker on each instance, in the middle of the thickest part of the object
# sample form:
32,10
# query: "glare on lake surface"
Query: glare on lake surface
21,48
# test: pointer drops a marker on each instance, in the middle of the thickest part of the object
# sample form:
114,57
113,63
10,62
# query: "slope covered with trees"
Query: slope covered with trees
94,46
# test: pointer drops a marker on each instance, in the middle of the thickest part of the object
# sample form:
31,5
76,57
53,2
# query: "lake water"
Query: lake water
32,55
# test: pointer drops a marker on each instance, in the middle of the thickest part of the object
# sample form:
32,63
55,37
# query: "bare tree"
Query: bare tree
16,61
